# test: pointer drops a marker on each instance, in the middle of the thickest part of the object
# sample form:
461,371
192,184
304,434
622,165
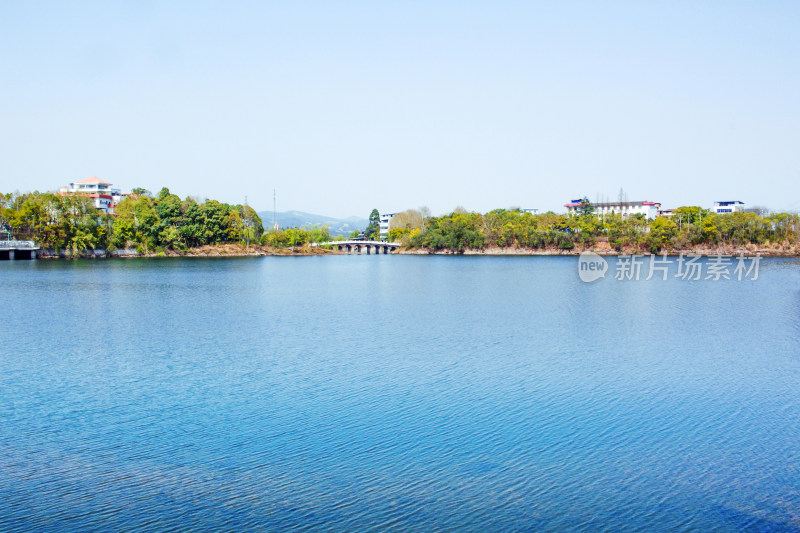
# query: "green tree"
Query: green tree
123,230
81,241
374,227
319,233
252,225
585,208
662,234
215,222
689,215
192,229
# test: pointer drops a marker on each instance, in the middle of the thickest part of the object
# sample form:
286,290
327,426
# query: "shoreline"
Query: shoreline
219,250
237,250
603,249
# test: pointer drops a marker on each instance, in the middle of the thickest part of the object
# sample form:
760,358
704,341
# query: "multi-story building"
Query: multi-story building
728,206
384,225
104,195
625,209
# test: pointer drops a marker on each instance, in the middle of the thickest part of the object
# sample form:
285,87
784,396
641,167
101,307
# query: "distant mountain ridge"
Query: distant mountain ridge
298,219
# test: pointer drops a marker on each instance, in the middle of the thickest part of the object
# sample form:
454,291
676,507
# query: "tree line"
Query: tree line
142,220
503,228
147,222
151,223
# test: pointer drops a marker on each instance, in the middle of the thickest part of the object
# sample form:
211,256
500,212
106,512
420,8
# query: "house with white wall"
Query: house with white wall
384,225
104,195
624,209
728,206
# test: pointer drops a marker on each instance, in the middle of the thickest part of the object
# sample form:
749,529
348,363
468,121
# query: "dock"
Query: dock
13,250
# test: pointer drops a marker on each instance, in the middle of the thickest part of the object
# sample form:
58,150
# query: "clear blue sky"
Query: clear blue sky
346,106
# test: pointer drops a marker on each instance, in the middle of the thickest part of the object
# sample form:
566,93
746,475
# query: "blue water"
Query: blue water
359,393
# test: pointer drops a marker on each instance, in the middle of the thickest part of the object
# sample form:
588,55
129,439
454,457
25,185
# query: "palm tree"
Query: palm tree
81,241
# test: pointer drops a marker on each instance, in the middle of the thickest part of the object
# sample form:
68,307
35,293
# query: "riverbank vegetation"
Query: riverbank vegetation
142,221
291,237
153,224
150,224
688,227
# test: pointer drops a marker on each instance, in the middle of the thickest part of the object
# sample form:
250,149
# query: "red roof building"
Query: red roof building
101,191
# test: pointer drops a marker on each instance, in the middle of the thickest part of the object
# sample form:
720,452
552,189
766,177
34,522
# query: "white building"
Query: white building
625,209
385,218
728,206
104,195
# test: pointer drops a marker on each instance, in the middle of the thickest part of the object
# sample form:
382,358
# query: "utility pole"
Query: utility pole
246,226
274,203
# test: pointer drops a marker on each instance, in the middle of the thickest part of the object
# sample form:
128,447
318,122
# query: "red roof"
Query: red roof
93,179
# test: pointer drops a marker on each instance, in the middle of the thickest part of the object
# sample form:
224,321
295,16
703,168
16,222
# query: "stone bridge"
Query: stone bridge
360,247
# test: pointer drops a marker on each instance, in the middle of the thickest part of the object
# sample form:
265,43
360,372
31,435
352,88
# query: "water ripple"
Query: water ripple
411,394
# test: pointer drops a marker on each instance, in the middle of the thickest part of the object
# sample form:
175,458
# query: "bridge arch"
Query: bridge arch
355,246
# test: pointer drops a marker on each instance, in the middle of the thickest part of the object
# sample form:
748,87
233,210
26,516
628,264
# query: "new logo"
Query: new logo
591,267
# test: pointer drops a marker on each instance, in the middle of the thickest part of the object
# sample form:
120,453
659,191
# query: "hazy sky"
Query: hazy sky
346,106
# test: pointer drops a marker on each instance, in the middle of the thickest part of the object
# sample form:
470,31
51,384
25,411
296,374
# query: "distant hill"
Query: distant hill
298,219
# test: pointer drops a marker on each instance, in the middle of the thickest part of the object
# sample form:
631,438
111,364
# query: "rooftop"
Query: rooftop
93,179
575,203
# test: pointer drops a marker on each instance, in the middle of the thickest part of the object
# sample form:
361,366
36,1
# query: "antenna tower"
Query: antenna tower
274,203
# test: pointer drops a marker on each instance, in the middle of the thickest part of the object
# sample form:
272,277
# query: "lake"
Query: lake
407,393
